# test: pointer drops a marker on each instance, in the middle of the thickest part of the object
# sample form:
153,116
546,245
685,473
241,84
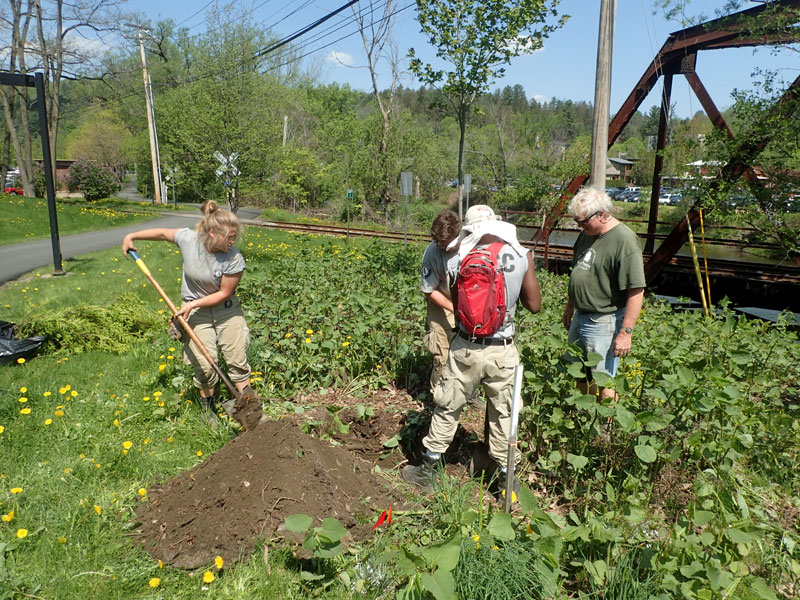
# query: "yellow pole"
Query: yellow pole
697,267
705,260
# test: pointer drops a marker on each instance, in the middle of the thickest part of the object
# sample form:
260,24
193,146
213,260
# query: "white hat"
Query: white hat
480,220
479,213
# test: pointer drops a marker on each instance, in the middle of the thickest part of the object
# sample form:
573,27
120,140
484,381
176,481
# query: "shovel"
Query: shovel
247,409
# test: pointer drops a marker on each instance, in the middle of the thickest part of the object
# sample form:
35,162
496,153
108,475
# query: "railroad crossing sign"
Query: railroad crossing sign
227,168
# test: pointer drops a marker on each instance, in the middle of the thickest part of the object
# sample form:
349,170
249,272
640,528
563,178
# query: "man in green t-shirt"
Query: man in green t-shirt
606,287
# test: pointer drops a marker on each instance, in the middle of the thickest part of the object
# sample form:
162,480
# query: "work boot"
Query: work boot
515,485
208,407
424,475
475,401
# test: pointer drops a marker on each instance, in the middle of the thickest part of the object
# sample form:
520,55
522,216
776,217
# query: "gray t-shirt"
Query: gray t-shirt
436,269
514,269
203,271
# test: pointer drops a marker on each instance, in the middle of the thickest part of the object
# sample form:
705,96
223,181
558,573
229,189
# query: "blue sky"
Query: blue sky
563,69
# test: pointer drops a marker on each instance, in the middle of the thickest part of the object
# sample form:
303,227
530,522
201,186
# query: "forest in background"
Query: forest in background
301,143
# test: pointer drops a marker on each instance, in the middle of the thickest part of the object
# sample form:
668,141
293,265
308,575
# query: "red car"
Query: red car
12,189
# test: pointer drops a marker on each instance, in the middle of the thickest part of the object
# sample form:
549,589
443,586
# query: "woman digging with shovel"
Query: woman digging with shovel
212,269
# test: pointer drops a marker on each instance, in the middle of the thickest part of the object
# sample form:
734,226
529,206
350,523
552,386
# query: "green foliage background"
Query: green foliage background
690,477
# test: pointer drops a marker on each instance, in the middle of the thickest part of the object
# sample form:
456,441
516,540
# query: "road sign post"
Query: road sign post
347,210
406,178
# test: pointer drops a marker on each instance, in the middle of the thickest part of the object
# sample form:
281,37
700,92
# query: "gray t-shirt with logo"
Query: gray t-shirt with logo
202,270
514,269
437,265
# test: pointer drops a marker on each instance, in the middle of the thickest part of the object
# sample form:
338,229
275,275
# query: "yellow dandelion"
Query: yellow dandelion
62,540
308,340
48,421
97,509
21,361
21,533
199,453
7,517
146,399
2,429
73,393
169,439
116,423
154,582
62,390
59,413
23,400
157,394
345,343
68,387
162,366
127,444
142,492
476,537
218,562
23,389
160,564
288,335
46,394
25,411
309,331
208,577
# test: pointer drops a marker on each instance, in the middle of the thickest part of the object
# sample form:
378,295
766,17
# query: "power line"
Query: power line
276,45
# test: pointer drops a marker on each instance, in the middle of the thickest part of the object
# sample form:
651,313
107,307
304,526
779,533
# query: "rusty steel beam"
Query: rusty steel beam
716,118
724,32
735,168
658,163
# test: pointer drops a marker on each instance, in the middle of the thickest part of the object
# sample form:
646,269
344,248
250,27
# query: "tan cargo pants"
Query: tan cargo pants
222,328
469,365
439,325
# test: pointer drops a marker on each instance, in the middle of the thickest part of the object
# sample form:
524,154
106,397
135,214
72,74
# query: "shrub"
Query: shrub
94,180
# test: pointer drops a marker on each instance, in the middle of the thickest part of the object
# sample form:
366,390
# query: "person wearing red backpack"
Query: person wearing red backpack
492,274
440,321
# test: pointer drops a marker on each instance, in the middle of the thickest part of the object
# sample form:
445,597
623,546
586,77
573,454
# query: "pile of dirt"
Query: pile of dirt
245,490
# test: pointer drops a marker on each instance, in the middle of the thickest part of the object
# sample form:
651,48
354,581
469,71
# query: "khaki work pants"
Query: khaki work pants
469,365
222,328
439,326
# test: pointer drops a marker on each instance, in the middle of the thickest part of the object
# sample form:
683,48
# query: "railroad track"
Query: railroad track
562,253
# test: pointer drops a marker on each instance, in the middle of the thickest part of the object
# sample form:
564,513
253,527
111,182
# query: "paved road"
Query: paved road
18,259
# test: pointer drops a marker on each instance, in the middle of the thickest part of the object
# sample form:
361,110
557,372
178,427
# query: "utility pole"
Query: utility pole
151,123
602,94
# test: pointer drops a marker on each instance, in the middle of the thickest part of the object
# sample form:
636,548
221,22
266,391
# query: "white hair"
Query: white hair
589,201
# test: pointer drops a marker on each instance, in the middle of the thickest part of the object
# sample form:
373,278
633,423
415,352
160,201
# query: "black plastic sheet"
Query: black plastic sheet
12,349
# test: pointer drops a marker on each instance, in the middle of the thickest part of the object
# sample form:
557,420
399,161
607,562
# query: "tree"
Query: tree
100,137
376,35
60,29
477,38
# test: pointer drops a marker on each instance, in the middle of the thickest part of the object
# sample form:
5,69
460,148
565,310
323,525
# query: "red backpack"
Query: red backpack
481,299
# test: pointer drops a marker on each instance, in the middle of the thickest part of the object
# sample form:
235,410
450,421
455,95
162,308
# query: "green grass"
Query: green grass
694,469
26,219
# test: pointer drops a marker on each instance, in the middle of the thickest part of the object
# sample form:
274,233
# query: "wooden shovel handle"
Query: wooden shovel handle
185,324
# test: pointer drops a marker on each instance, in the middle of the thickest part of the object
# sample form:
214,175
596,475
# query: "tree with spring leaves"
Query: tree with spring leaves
478,38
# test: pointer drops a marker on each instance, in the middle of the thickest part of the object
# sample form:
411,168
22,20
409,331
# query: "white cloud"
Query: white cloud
522,45
340,58
541,98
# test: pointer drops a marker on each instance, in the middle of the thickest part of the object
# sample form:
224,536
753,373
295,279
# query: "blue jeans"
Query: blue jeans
595,332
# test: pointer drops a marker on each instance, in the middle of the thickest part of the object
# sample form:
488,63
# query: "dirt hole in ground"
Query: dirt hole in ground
245,490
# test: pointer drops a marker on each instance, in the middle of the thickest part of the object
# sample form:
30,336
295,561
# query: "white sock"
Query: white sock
433,455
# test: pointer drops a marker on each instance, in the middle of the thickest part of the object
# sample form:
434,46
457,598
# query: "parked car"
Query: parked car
11,188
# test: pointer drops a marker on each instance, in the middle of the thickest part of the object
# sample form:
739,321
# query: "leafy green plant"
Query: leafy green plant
93,180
